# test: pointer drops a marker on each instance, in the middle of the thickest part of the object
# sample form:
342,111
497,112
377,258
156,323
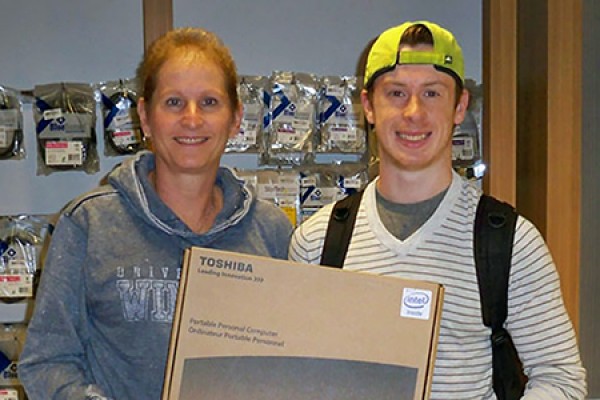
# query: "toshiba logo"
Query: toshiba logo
225,264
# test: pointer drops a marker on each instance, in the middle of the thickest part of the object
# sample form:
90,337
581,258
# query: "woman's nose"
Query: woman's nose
192,114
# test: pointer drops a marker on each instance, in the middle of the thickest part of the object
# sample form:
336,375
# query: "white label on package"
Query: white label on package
9,394
251,123
123,118
52,114
247,134
337,91
16,285
308,181
276,190
352,183
287,136
64,153
416,303
343,134
126,138
67,126
301,124
3,137
462,148
9,119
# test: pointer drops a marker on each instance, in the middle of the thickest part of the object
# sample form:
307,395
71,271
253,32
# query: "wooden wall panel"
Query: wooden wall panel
564,144
532,121
549,131
532,111
158,19
500,96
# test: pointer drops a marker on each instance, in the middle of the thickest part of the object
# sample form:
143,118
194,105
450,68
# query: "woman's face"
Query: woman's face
190,117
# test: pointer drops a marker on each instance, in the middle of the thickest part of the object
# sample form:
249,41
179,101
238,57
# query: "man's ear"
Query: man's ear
461,107
367,106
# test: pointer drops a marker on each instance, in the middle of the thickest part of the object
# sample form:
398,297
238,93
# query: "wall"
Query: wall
62,40
324,37
70,40
590,234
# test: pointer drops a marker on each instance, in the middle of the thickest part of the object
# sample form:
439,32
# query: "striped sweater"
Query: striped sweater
442,251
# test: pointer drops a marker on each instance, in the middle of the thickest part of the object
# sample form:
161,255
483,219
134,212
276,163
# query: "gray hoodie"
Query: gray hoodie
105,304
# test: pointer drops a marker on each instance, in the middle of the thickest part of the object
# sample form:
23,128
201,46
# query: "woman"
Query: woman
106,300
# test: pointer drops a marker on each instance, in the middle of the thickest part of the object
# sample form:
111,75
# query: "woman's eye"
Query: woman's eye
173,102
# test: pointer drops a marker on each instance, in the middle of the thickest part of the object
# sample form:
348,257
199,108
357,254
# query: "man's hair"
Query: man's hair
419,34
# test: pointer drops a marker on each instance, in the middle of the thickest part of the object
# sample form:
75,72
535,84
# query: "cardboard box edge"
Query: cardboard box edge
434,343
176,324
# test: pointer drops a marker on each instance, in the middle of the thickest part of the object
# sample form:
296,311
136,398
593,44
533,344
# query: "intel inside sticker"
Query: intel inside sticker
416,303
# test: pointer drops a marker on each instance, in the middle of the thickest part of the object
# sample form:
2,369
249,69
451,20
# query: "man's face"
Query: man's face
414,110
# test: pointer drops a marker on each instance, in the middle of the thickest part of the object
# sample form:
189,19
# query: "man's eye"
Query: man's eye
209,101
397,93
431,93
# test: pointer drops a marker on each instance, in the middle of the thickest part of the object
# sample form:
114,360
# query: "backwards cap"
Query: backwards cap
385,55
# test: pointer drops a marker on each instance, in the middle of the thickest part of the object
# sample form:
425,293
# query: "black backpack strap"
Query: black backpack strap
339,230
495,223
494,230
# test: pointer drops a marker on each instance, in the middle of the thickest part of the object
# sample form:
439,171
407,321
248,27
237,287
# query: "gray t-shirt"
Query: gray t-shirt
402,220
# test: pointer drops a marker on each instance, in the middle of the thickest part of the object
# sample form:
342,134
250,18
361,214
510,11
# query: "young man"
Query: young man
416,221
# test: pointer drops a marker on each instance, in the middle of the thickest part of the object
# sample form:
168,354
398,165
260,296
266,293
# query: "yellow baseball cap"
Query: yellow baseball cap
384,54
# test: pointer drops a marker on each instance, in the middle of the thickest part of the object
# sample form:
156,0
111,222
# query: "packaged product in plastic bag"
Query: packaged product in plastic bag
21,242
11,124
341,119
292,117
122,132
251,89
65,118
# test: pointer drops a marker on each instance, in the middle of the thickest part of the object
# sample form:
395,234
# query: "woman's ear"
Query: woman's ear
238,114
143,114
